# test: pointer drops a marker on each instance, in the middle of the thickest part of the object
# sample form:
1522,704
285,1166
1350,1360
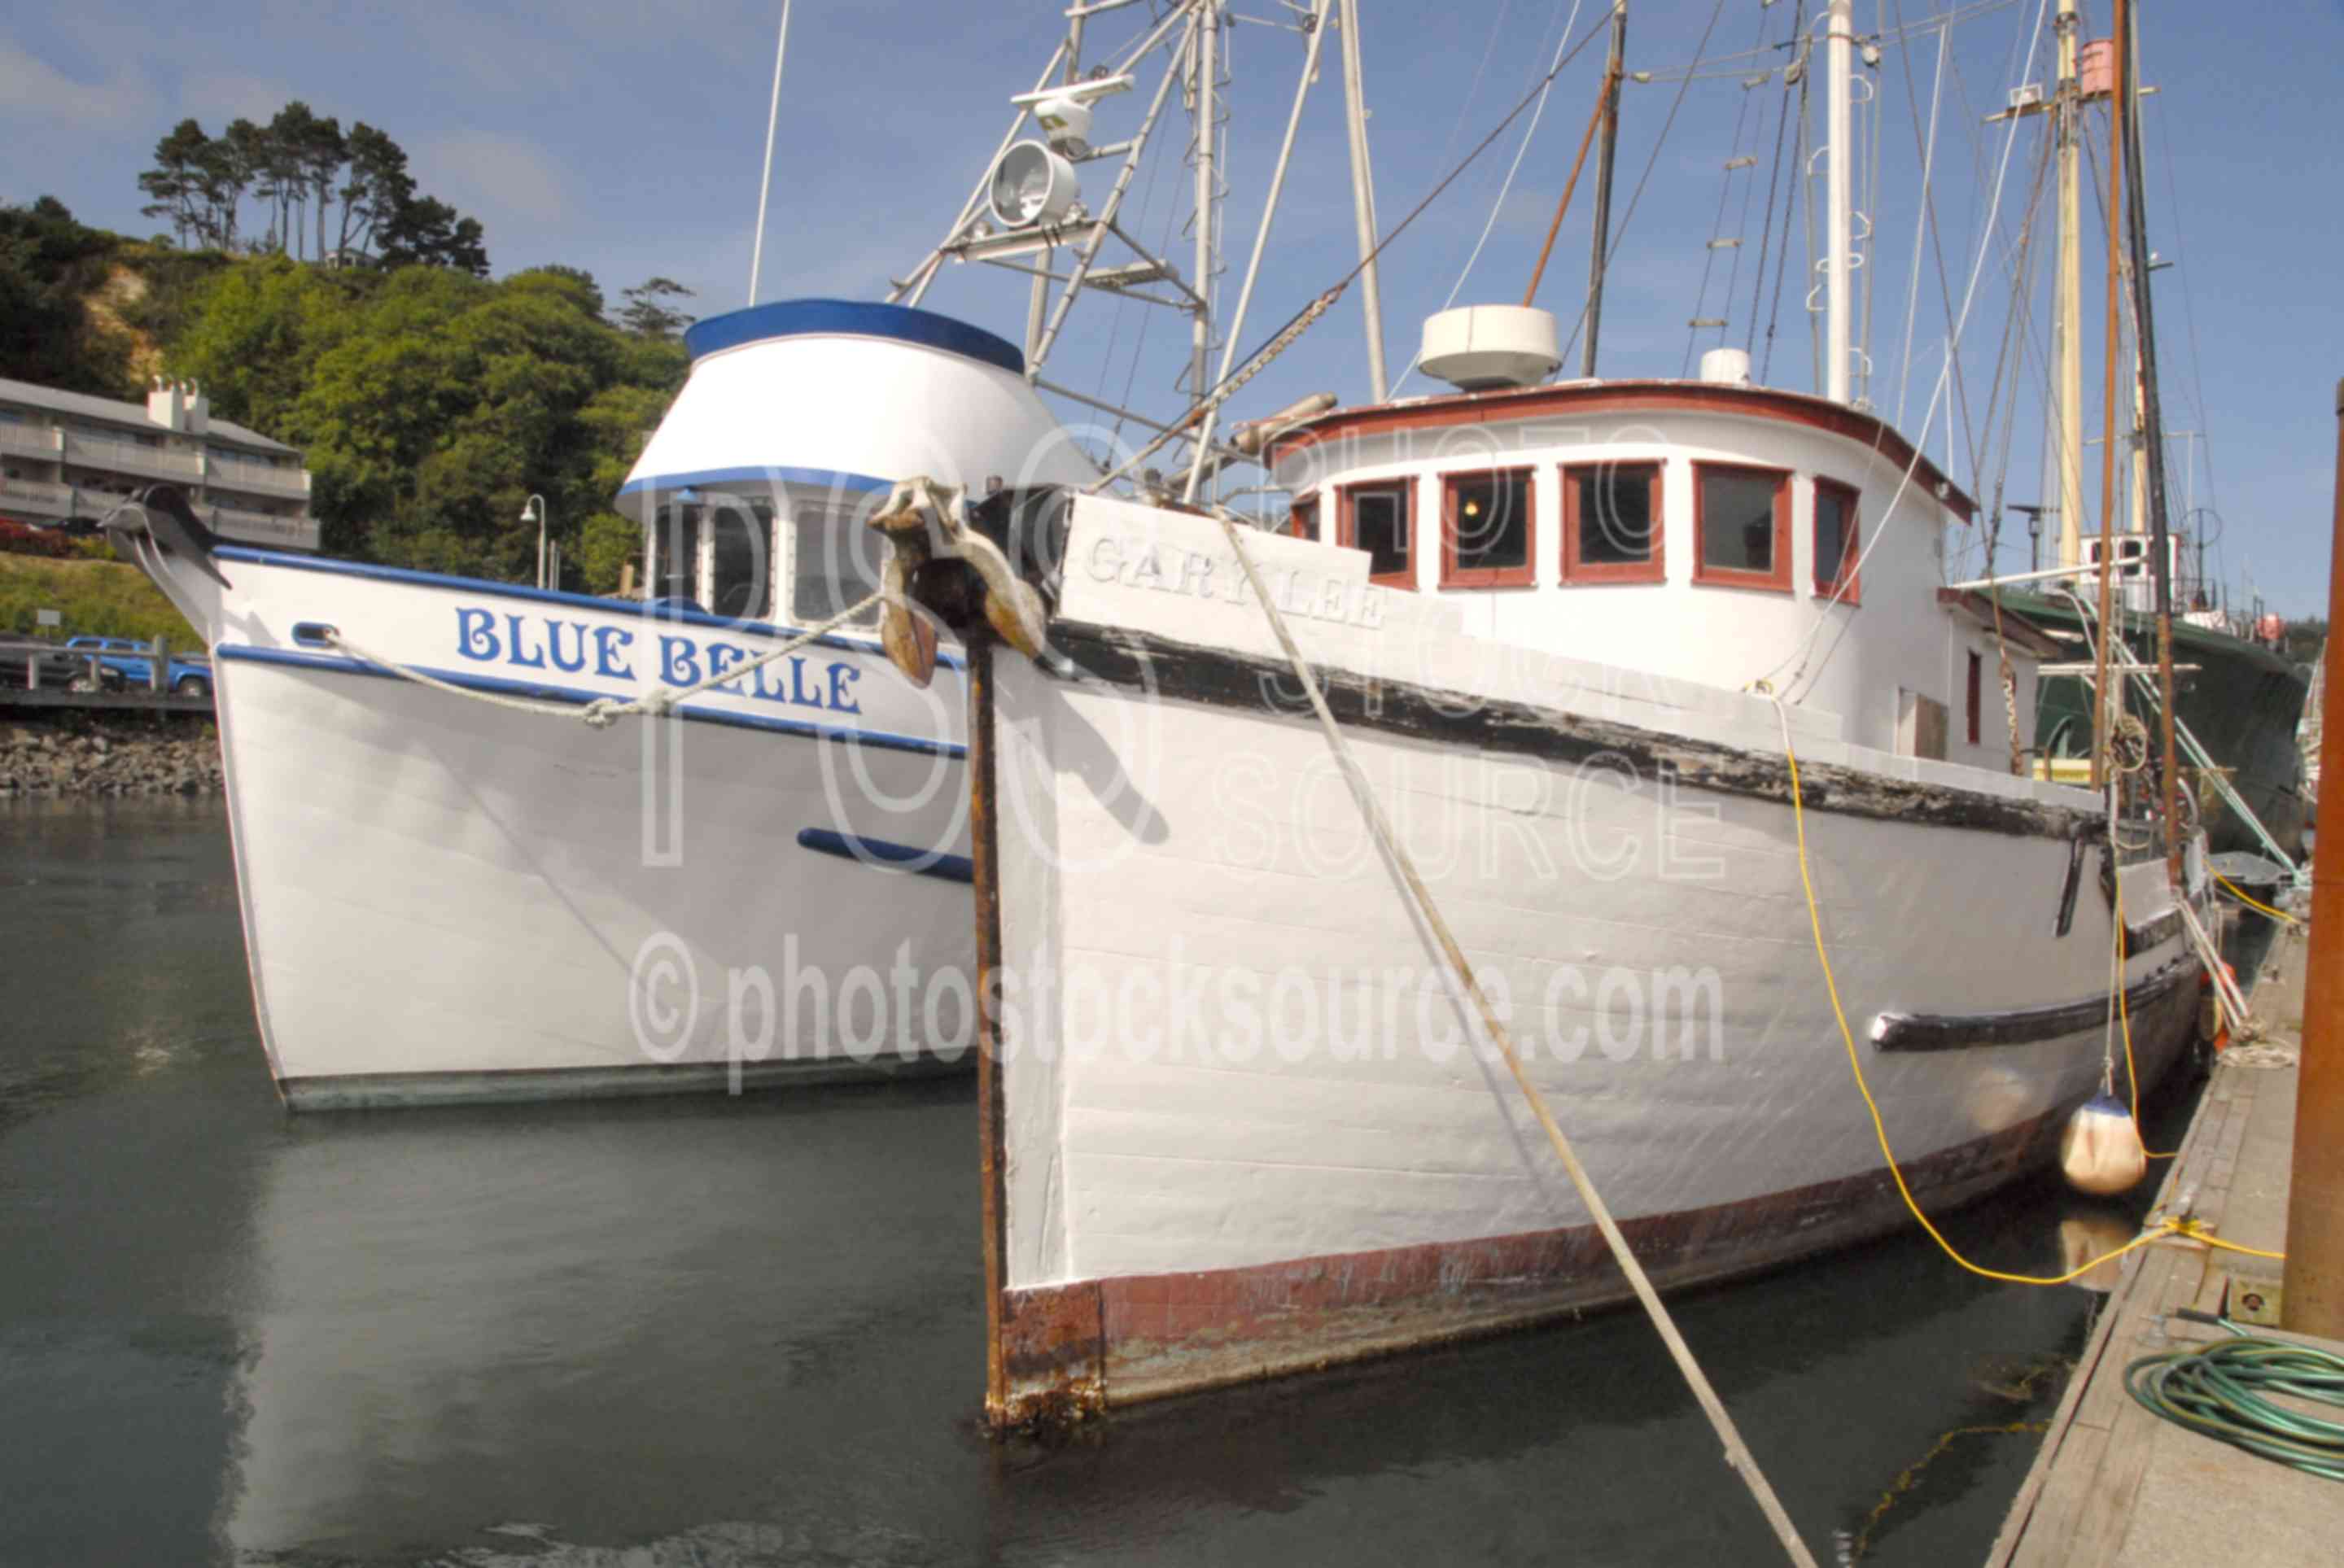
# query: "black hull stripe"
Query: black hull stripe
2022,1026
1222,678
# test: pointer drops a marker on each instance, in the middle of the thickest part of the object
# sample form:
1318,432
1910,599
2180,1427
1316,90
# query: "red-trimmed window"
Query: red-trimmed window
1612,523
1488,535
1377,518
1837,548
1302,520
1741,525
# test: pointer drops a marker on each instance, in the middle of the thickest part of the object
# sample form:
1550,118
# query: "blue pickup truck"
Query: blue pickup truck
185,675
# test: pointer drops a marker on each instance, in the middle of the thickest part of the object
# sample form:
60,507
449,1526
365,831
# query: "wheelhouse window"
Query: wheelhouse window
1375,519
1302,519
1837,548
740,558
833,563
1487,530
1741,525
675,553
1612,523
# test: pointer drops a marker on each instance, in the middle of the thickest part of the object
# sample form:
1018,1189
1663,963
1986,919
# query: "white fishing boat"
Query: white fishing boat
452,888
1655,693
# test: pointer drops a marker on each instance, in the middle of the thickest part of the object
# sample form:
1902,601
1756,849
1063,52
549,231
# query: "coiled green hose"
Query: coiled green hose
2223,1390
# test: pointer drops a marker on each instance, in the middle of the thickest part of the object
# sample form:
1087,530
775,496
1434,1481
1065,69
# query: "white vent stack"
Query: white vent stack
1725,368
1481,348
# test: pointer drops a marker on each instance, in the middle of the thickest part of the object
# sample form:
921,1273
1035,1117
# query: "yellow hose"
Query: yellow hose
2188,1228
2279,915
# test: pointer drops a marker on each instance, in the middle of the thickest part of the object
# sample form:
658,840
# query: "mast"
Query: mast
1363,200
1839,63
1600,258
2068,320
1208,61
2109,699
2149,456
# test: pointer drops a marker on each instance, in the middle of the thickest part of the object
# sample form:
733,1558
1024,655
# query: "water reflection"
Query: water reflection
741,1332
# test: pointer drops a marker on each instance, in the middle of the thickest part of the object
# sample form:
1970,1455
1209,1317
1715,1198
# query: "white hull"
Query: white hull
445,899
1242,1125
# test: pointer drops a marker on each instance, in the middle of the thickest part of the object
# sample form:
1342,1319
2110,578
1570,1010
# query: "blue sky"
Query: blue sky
625,138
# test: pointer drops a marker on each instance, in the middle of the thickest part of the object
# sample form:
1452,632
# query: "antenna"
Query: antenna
765,181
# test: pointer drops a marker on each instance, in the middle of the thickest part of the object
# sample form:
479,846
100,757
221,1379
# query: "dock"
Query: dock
2115,1484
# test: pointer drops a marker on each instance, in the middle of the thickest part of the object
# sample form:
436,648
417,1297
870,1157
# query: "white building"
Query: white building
68,456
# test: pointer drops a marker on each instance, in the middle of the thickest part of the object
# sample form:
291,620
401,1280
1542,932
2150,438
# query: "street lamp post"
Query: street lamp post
533,511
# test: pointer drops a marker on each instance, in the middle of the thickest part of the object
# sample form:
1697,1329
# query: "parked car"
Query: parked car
185,675
60,670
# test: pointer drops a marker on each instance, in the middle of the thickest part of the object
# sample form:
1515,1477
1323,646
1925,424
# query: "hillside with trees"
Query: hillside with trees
324,300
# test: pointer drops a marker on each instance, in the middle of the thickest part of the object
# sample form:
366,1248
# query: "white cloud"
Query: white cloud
497,179
217,99
30,87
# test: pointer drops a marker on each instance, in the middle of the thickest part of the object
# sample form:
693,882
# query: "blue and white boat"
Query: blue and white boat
451,897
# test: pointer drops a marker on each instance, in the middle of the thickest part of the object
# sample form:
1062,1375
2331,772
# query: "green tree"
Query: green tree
251,335
177,180
648,312
49,264
607,544
376,186
427,231
577,282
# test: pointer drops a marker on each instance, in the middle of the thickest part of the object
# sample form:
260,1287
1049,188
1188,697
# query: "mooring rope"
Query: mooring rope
603,712
1738,1456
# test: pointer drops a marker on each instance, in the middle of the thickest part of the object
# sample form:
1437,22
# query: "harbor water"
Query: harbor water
750,1331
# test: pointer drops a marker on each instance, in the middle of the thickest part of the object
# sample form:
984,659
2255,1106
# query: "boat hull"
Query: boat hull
2242,702
446,898
1237,1124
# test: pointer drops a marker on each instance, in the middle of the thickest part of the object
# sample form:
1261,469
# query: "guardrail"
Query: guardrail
241,473
54,691
33,493
39,439
132,457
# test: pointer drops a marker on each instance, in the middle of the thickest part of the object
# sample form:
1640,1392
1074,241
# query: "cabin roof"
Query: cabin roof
1583,397
2009,625
849,318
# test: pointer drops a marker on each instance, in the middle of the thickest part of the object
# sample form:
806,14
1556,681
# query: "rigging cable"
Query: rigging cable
1620,235
1773,180
1505,188
1733,165
1920,218
1803,62
1308,316
1805,652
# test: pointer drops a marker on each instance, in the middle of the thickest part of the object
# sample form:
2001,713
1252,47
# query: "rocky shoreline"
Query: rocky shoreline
109,755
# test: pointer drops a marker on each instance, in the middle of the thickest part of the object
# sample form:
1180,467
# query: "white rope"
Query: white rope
1738,1456
603,712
